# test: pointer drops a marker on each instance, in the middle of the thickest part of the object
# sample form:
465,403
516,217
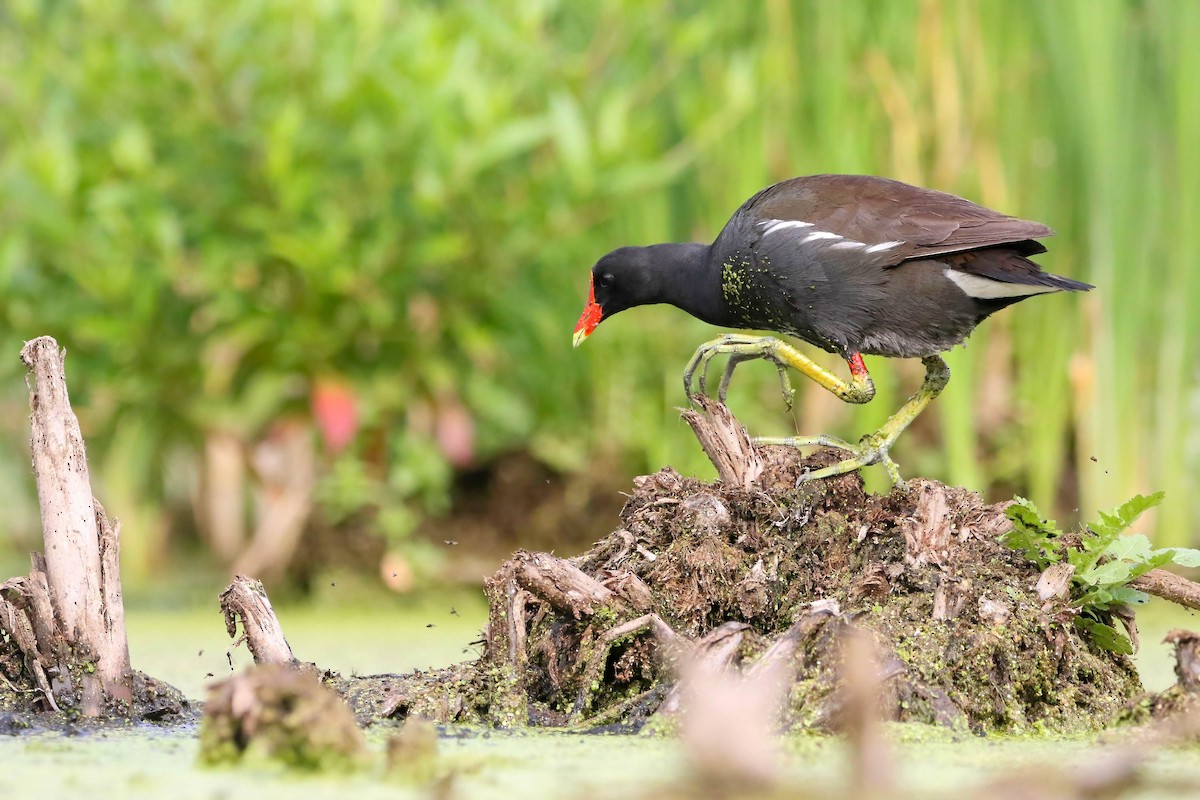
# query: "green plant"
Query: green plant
218,207
1102,561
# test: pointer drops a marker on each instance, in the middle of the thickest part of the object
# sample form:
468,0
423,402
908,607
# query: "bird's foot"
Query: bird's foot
739,348
874,448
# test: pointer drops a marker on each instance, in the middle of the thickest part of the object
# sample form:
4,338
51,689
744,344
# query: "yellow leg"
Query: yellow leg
874,448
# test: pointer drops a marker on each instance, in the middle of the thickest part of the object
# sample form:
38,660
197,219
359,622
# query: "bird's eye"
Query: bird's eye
606,279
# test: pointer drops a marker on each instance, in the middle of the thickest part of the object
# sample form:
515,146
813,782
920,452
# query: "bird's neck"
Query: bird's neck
688,280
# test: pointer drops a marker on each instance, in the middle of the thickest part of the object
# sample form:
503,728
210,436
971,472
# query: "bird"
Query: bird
852,264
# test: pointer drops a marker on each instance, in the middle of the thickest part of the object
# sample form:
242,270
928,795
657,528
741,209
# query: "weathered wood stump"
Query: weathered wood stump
64,636
737,461
245,601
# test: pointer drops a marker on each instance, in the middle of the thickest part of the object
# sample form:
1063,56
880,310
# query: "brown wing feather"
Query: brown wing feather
876,210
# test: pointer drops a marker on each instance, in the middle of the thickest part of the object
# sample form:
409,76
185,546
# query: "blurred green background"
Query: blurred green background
316,263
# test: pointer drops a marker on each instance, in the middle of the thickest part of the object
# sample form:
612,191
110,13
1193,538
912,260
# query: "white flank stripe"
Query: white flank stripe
846,245
983,288
773,225
876,248
820,235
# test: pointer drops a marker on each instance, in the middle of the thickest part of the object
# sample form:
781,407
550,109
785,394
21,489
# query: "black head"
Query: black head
636,276
622,279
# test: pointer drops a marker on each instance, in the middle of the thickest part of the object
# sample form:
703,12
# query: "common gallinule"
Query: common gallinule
850,263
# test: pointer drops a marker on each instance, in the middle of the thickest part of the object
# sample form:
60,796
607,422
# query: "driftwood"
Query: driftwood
246,600
725,442
524,584
593,670
561,584
16,623
67,617
928,534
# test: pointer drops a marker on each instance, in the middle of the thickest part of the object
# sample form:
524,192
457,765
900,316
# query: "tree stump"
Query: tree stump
725,442
246,600
66,619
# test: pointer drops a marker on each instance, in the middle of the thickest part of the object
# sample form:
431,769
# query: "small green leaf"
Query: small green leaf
1136,505
1093,547
1098,598
1183,556
1129,596
1109,572
1133,547
1036,547
1106,532
1034,536
1018,539
1105,636
1153,561
1026,515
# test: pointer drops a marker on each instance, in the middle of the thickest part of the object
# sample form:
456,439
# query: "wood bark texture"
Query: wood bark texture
725,442
1169,586
245,599
561,584
64,490
72,598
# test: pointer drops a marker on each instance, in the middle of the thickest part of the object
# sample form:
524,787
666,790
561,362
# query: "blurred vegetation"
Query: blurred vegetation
375,220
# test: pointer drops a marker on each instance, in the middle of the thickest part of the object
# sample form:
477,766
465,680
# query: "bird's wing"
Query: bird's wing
884,216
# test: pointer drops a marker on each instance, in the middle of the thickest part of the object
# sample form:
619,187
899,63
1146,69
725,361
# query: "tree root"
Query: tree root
15,623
